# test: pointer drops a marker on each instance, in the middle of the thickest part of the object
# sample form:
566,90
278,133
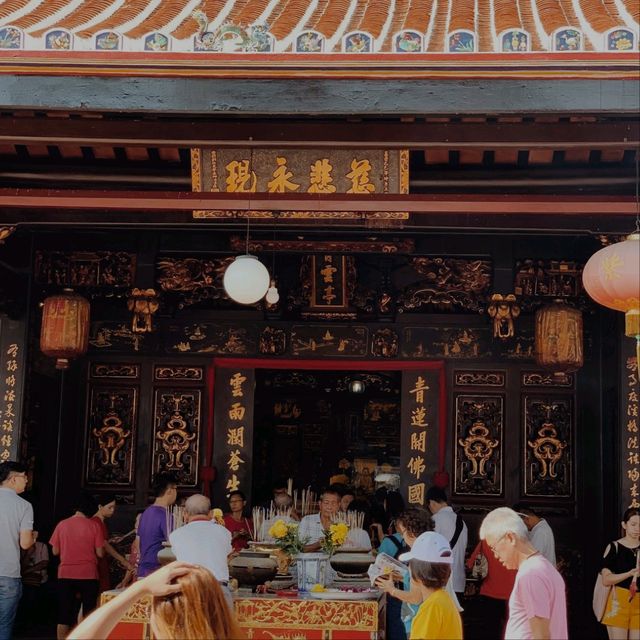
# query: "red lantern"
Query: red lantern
559,338
612,278
65,327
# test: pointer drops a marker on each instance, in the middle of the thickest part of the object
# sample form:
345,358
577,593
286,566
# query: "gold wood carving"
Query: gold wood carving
195,280
478,448
546,379
548,450
306,614
177,417
143,303
114,370
272,341
479,378
548,453
305,215
110,446
325,246
447,283
112,436
479,451
503,310
385,343
179,373
6,232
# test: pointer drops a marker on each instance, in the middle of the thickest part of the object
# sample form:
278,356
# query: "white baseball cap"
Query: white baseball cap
430,547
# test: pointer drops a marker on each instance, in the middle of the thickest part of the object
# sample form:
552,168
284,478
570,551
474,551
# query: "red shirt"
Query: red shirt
77,539
103,563
235,526
499,581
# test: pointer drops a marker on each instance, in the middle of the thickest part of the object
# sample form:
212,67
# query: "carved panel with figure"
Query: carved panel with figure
547,445
176,434
111,435
479,444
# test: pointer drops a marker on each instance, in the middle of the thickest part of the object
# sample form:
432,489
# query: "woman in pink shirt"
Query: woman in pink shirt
79,542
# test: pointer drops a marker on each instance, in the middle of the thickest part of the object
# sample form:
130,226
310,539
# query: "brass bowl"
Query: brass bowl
251,570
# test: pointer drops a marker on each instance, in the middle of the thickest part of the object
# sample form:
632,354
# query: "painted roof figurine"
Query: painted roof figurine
320,26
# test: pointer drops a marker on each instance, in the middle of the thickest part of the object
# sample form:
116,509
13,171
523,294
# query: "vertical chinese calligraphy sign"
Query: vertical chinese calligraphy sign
300,171
629,429
12,356
233,431
420,433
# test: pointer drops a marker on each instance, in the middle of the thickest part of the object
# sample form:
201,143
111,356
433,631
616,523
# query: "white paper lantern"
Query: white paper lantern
273,295
246,279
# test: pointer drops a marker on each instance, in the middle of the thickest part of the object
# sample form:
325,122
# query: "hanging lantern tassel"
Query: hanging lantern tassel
65,327
612,278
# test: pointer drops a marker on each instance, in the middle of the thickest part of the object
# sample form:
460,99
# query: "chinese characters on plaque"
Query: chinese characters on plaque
8,431
11,371
418,445
300,171
630,438
233,439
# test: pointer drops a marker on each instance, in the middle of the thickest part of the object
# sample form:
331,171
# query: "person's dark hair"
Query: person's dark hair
415,521
85,504
629,513
162,482
330,491
433,575
361,505
380,494
104,499
523,507
436,494
237,492
394,503
340,488
9,467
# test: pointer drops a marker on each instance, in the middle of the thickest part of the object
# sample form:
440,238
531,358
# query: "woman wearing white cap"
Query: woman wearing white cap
430,561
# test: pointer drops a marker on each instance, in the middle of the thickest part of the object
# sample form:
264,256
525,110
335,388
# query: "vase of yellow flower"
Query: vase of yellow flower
313,568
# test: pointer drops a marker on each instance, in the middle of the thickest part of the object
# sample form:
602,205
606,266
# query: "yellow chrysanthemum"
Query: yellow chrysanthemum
318,588
278,529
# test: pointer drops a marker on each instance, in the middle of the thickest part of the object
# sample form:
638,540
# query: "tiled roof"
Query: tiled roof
314,26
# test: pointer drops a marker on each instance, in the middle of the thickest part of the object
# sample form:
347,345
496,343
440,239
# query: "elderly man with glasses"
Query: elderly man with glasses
16,532
537,606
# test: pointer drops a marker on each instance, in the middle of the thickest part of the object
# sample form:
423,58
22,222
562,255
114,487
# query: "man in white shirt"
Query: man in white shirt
16,532
203,541
540,533
450,525
312,527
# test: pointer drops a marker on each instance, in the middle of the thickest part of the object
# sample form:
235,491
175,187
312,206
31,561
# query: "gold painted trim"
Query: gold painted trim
404,171
196,182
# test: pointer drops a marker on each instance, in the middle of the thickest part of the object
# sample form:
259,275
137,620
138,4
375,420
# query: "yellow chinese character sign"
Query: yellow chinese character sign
233,430
421,449
12,354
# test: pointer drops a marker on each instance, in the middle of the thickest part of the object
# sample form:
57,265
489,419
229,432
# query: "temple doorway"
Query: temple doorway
319,427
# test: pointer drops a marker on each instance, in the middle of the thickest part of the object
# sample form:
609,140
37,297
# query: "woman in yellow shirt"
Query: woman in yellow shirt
430,561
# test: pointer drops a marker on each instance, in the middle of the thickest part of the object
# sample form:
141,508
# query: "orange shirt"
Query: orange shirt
499,581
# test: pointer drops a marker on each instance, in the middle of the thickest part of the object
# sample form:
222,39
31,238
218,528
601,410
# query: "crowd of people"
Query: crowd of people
522,592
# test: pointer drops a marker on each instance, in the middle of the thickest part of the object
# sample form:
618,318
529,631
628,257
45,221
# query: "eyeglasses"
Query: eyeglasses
496,543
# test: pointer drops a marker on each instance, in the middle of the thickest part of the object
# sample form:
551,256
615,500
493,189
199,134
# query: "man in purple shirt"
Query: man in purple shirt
152,530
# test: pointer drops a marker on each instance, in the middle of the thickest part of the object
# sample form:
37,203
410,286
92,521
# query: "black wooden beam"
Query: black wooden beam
376,133
320,97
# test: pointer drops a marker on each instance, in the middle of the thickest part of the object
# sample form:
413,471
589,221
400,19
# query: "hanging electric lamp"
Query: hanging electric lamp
65,327
612,275
246,280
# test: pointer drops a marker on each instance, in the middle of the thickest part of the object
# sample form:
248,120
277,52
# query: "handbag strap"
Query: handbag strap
457,532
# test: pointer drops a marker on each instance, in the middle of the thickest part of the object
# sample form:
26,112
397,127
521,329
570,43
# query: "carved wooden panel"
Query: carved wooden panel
479,446
178,373
325,340
548,445
100,269
114,370
447,284
111,435
213,338
479,378
176,433
547,379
